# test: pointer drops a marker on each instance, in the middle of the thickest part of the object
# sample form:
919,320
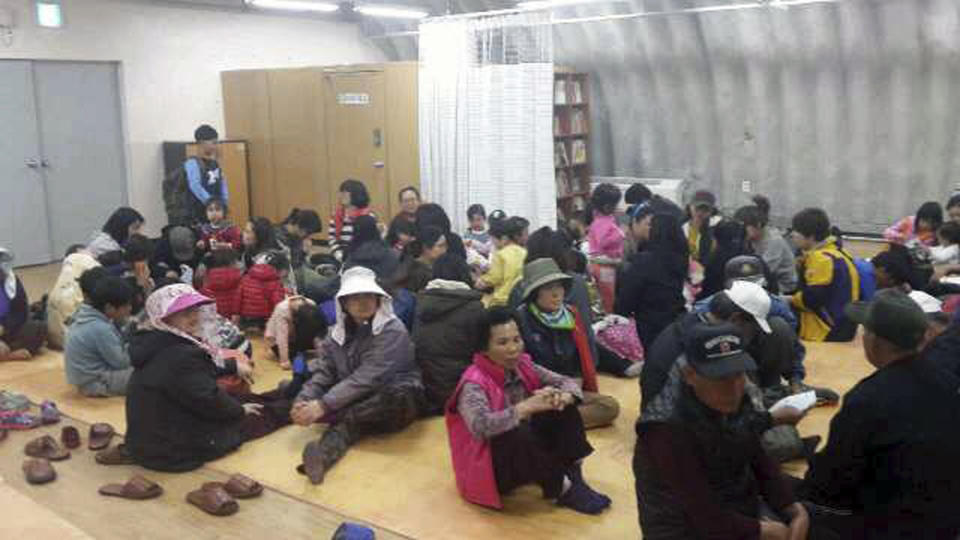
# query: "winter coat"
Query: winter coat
223,285
102,243
829,282
605,237
94,346
15,311
351,368
650,290
447,323
225,234
66,296
177,416
261,289
566,352
777,254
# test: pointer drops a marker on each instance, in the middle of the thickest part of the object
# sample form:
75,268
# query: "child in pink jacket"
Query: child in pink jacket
606,242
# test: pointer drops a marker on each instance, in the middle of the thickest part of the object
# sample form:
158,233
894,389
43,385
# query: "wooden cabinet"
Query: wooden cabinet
309,129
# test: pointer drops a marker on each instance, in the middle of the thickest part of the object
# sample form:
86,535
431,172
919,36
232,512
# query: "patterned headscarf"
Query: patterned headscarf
172,299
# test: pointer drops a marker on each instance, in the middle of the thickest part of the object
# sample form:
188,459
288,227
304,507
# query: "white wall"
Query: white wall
171,58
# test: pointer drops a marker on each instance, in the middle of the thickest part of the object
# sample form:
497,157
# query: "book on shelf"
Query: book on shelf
560,92
561,124
578,122
576,92
579,150
560,156
563,184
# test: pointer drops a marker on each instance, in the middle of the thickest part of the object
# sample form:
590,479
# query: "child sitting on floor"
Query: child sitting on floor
21,337
222,281
218,232
95,354
948,252
261,289
138,251
283,331
477,236
506,266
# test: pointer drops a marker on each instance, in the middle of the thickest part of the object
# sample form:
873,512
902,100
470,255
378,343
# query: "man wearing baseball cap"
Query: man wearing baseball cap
779,354
701,470
889,469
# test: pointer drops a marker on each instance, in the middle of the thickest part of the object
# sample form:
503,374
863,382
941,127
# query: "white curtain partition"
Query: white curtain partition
486,115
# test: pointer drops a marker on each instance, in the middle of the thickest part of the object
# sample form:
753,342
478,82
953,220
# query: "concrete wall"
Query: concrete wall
850,106
171,58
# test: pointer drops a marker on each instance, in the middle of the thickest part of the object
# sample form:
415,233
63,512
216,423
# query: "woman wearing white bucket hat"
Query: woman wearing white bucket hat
365,381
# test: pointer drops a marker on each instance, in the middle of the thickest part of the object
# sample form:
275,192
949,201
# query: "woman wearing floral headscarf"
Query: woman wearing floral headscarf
20,337
177,416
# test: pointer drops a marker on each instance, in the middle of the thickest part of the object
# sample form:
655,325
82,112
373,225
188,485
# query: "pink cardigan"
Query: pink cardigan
606,237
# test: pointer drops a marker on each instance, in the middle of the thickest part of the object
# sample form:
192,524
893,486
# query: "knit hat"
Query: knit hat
539,273
205,133
182,243
893,316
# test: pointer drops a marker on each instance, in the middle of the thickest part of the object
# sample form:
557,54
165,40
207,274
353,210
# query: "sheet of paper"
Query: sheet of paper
798,401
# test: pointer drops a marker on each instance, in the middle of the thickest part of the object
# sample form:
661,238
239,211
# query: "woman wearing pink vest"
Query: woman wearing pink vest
512,422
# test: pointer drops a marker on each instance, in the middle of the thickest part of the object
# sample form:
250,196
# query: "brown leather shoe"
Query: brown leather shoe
39,471
46,447
70,437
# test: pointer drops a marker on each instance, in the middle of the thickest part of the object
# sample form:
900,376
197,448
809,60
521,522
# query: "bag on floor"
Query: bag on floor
619,335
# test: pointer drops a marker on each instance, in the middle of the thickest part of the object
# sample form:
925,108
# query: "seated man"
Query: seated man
781,343
366,380
828,280
95,355
512,422
700,469
889,469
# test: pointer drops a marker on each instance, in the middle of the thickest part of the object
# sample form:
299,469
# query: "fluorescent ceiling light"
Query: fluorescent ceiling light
543,4
294,5
391,11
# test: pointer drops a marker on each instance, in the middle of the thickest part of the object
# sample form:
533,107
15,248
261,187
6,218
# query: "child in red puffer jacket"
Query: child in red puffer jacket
222,281
261,289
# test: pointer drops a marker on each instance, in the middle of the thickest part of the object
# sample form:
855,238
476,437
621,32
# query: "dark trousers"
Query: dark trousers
540,451
610,362
391,409
30,336
274,415
774,353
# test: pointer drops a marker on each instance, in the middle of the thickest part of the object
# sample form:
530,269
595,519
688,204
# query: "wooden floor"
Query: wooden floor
401,484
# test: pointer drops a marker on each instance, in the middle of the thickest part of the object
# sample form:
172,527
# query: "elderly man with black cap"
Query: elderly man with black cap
889,469
701,471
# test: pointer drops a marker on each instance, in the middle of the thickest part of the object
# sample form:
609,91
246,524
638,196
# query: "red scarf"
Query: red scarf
341,214
587,368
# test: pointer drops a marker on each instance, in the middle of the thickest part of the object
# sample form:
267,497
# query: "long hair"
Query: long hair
668,242
398,225
266,236
118,224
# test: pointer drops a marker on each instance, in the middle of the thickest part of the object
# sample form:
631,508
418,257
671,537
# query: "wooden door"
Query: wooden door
356,139
233,164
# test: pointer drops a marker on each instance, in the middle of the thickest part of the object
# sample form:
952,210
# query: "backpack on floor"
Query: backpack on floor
177,198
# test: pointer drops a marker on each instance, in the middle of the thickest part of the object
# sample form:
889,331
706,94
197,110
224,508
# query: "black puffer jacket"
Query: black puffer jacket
446,327
177,416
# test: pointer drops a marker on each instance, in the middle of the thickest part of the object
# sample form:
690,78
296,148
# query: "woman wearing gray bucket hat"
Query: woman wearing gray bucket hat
556,337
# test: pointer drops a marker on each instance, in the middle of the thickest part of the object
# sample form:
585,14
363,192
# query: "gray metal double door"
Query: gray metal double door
62,161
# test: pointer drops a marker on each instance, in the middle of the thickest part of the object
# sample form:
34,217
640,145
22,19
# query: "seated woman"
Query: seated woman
365,380
651,284
21,337
177,416
417,263
918,229
449,314
123,223
511,422
556,337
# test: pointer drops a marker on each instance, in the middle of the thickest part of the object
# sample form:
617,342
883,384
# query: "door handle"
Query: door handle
32,163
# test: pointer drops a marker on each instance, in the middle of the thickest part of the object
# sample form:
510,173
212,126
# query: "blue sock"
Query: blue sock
581,499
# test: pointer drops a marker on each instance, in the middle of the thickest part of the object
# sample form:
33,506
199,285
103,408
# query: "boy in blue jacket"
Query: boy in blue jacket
95,354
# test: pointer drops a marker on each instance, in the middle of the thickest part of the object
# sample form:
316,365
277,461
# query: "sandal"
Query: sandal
117,455
137,488
46,447
239,487
39,471
70,437
18,420
216,501
49,414
100,435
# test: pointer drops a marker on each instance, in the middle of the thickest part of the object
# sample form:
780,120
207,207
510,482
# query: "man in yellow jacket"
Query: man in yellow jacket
828,280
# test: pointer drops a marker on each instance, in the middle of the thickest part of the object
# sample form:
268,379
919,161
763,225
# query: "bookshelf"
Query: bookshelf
571,140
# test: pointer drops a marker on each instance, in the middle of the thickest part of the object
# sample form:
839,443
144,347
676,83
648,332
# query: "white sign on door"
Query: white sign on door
353,99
